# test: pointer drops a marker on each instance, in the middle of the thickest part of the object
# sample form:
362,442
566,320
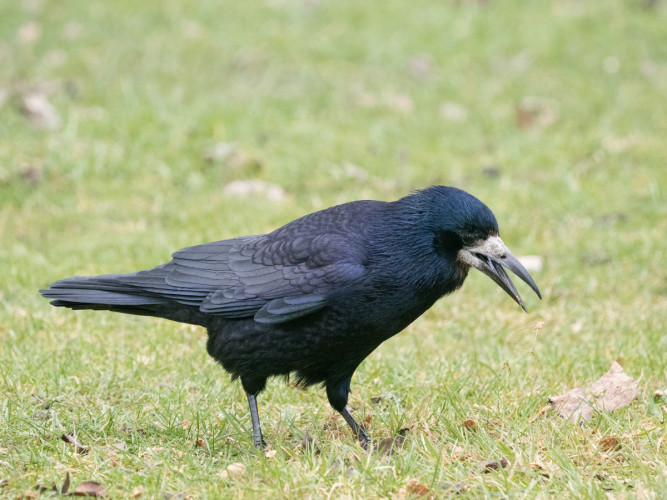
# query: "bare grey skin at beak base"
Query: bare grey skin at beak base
490,256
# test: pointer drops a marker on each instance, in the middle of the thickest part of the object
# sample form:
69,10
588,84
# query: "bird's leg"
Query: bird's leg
337,393
358,430
258,439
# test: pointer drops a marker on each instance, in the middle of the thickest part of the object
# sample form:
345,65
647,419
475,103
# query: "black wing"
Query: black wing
276,277
273,278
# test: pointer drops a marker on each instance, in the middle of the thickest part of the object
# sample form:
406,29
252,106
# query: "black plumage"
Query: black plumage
315,297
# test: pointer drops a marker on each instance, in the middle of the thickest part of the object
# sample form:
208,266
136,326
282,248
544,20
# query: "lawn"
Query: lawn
150,119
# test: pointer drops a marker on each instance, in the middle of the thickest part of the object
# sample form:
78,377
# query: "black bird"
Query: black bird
315,297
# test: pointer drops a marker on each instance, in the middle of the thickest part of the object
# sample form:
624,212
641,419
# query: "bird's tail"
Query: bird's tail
118,293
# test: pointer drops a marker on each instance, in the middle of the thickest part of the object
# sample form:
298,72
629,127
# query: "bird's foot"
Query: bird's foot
260,444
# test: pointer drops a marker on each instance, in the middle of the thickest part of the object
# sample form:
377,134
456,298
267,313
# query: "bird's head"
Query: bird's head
466,230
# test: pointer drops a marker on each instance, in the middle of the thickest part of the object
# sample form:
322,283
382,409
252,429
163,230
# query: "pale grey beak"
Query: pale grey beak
489,257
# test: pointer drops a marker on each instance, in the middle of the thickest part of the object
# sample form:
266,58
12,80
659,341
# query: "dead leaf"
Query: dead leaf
270,453
536,112
90,489
612,391
413,488
234,471
470,424
39,111
136,492
491,466
540,413
71,439
610,443
539,466
185,424
65,488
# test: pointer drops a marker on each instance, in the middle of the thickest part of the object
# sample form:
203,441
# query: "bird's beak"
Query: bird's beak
489,257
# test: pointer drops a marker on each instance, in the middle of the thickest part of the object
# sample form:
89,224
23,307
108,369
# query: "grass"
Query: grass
414,94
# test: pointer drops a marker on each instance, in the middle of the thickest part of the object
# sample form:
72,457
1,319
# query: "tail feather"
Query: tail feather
100,290
126,293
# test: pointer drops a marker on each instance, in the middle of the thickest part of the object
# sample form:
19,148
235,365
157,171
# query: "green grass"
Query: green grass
305,88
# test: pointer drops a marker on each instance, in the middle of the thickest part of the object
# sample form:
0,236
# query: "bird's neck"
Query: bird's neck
406,246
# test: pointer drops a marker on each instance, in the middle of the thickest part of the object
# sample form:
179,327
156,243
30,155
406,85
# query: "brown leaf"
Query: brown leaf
71,439
612,391
416,489
136,492
65,488
90,489
491,466
540,413
610,443
539,466
201,443
470,424
236,470
536,112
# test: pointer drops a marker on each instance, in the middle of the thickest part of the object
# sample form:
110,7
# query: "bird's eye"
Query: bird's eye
468,240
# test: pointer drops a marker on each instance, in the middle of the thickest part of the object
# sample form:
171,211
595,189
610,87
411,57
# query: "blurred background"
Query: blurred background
131,129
